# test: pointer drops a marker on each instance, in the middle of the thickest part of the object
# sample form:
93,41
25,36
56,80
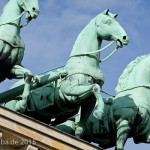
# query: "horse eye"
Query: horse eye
108,21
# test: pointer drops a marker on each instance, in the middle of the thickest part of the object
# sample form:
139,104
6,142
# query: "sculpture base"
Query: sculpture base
19,132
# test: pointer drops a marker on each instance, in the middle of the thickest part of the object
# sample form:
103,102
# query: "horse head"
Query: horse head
108,28
31,7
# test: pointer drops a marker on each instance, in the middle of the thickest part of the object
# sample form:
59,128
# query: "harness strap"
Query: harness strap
14,41
107,93
107,57
100,50
3,23
7,22
93,52
23,25
134,87
145,86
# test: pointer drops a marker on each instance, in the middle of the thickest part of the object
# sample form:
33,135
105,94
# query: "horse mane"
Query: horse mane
82,33
124,76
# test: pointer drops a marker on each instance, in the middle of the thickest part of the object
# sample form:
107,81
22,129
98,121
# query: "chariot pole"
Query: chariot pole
44,78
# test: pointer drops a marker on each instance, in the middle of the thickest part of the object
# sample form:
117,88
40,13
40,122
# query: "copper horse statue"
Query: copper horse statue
82,85
12,46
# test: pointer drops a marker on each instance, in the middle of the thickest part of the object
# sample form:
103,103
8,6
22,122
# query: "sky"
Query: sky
49,39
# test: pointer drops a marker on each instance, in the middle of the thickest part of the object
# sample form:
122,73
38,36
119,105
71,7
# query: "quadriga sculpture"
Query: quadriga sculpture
11,45
82,85
128,115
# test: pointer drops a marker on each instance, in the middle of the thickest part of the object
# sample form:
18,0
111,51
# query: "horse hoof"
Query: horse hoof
78,132
98,114
19,107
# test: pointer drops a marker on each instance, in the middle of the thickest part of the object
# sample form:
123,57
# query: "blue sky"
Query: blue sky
49,38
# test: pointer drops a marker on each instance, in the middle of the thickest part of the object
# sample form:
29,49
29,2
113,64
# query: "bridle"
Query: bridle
100,50
21,26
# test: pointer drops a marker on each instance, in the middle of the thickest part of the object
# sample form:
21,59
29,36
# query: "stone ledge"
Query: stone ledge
18,132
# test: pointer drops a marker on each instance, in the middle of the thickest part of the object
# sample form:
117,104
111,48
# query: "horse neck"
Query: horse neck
87,40
11,11
135,74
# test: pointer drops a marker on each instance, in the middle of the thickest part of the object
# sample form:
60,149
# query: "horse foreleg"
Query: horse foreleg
20,72
26,92
86,95
98,113
86,109
83,91
123,130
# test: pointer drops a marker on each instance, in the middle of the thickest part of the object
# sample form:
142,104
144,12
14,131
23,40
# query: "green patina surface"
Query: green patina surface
127,115
59,94
12,46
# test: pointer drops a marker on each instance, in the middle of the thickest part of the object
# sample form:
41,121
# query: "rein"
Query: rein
100,50
107,57
7,22
138,86
107,93
145,86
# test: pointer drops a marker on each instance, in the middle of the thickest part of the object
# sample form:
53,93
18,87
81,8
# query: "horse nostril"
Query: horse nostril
124,37
33,9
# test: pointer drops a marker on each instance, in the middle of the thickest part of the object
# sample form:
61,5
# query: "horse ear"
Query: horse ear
115,15
106,11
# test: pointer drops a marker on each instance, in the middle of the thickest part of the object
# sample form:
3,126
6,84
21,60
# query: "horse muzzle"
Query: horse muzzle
125,40
122,42
33,14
